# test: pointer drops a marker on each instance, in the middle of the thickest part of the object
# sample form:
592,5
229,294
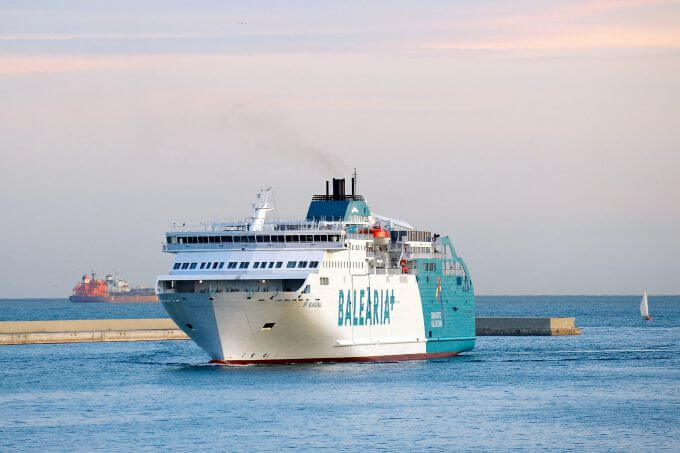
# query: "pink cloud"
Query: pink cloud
12,65
100,36
573,38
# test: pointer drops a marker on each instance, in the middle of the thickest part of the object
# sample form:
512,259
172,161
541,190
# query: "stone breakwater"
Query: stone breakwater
161,329
89,330
526,326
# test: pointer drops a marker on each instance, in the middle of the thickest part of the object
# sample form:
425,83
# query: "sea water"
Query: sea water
615,387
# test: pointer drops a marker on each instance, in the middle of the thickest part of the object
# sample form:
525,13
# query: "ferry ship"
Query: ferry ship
112,289
344,284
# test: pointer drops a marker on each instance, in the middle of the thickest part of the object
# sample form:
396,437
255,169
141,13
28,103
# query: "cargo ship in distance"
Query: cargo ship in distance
112,289
343,284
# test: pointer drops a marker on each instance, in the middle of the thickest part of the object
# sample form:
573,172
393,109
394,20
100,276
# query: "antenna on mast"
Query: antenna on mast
260,209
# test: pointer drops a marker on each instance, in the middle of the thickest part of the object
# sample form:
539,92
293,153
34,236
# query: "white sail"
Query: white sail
644,307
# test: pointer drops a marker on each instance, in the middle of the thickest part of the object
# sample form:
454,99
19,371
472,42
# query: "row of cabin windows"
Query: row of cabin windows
246,265
204,265
287,238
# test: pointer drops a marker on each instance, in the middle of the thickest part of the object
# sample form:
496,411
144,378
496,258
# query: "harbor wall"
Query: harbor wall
89,330
526,326
160,329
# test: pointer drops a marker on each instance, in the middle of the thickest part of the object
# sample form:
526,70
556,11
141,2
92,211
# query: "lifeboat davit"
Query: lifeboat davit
381,236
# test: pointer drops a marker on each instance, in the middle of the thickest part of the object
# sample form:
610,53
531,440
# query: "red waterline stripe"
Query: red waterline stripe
376,358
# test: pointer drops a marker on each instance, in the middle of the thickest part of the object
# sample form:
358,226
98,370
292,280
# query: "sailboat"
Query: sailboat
644,308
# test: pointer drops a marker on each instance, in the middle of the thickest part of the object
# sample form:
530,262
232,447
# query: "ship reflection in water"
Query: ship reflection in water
112,289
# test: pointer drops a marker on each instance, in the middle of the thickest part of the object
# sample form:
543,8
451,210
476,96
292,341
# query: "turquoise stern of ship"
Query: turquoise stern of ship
448,302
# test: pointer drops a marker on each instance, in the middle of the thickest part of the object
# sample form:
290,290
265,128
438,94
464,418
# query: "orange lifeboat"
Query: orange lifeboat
381,236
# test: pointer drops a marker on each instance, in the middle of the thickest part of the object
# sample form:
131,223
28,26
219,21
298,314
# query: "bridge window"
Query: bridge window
265,238
293,238
202,240
221,265
215,264
244,265
202,266
314,264
251,238
193,266
177,265
225,238
211,239
258,238
236,238
324,238
185,266
271,264
231,265
302,264
279,264
317,238
256,265
290,265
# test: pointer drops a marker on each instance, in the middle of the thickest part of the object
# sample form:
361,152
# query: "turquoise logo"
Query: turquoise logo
365,307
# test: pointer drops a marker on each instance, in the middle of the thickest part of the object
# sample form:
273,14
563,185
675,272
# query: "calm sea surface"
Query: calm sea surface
615,387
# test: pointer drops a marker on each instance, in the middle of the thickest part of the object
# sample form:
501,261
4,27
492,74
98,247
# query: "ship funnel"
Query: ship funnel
339,189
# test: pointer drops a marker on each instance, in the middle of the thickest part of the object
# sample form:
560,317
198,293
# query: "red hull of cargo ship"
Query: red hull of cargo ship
113,299
111,290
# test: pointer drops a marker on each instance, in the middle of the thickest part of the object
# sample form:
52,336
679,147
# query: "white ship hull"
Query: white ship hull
233,327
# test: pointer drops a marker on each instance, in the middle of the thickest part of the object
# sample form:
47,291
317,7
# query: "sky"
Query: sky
543,137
